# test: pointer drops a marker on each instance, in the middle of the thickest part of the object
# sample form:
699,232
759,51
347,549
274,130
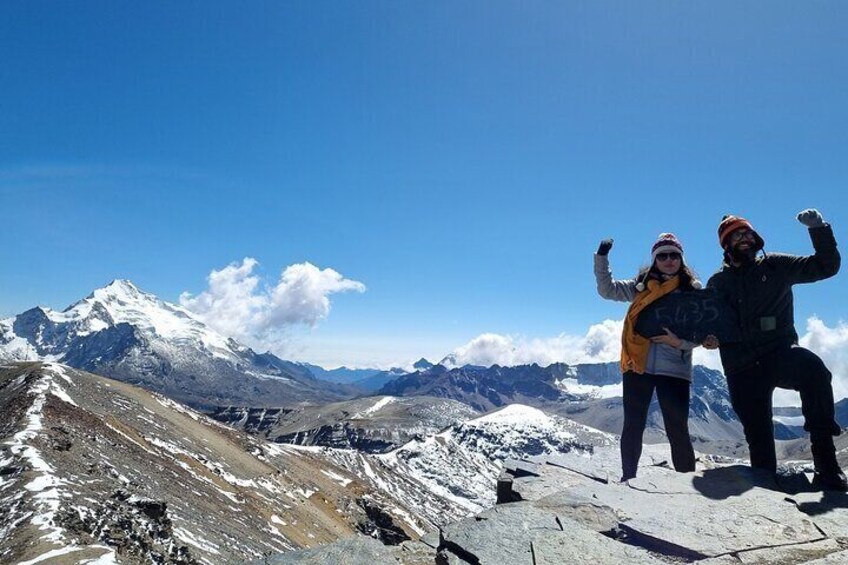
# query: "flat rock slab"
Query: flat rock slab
672,514
500,535
589,513
520,468
359,550
578,546
828,510
431,539
604,464
553,479
840,558
562,471
790,553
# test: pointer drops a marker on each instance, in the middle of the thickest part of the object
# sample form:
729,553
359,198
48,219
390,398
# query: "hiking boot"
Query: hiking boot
831,479
828,475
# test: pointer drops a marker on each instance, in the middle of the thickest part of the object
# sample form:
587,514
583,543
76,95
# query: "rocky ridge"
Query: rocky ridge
372,425
568,508
95,468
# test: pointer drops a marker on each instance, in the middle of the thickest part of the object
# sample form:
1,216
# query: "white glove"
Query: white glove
811,218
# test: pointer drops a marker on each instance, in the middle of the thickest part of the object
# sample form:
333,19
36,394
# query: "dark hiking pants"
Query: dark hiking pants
673,396
751,392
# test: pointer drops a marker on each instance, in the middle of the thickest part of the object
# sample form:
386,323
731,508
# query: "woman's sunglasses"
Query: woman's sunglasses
668,256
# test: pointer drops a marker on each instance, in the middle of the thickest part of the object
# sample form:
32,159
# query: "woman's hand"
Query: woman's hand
604,247
710,342
668,339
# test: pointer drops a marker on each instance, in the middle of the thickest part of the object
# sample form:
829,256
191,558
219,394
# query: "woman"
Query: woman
663,363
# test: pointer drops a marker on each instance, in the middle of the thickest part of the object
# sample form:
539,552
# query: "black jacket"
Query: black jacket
761,295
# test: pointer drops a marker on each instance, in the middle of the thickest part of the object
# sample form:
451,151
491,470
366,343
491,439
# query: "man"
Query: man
759,288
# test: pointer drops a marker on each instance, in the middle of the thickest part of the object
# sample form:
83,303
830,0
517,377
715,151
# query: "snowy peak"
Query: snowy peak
122,332
126,303
514,414
52,332
120,287
516,431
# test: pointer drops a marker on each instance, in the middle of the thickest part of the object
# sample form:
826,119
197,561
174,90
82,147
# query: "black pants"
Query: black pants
751,393
673,396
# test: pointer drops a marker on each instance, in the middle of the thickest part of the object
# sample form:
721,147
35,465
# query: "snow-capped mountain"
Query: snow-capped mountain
459,466
127,334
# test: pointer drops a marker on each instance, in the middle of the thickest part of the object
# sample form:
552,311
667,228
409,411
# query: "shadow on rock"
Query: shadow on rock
830,500
724,482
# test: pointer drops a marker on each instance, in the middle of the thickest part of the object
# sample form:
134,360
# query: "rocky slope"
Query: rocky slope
122,332
448,475
95,468
373,425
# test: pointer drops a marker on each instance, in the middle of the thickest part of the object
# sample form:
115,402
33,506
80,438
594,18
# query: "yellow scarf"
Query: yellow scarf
634,347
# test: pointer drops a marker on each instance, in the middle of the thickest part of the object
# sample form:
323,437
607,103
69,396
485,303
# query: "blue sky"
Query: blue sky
459,159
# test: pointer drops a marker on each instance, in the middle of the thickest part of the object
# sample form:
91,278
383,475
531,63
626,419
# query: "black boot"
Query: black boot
828,475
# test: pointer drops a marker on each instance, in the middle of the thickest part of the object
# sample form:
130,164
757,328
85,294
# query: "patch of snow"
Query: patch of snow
196,541
375,408
514,414
572,386
336,477
51,554
60,371
44,486
268,377
168,403
305,492
277,520
128,438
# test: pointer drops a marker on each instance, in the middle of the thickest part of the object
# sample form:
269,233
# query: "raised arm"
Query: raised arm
825,260
609,288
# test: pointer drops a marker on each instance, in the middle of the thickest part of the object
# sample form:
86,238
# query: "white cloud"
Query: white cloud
237,305
831,344
301,296
602,343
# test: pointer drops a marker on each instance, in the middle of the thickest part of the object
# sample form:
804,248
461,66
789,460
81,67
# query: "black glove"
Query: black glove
604,247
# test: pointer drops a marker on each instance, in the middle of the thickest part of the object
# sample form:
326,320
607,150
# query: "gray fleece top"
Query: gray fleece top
662,359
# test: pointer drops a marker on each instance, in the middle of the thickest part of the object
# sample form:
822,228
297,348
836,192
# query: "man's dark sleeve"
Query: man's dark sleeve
713,282
822,264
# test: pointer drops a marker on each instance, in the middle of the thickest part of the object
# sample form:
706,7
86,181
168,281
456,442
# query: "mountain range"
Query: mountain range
188,447
127,334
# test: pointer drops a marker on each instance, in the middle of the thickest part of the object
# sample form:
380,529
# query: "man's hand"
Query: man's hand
710,342
668,339
811,218
604,247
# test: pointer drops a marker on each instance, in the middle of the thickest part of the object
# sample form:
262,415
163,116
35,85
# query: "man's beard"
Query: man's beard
743,256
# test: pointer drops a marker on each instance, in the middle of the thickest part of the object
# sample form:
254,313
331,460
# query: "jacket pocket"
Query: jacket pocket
768,324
